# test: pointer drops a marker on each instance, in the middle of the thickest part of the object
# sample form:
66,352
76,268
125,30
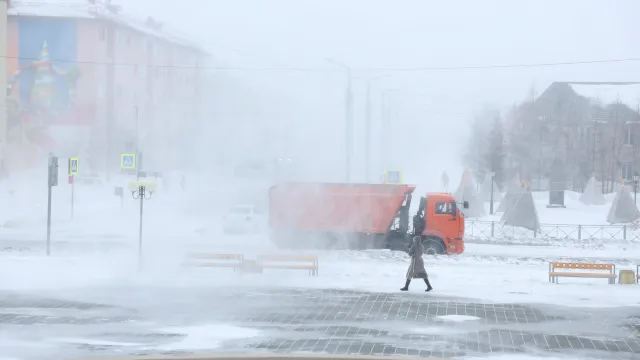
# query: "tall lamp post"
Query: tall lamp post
368,121
348,118
385,127
493,176
635,188
141,192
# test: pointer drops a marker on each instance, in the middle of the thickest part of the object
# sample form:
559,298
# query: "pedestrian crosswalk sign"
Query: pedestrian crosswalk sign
73,166
393,176
128,161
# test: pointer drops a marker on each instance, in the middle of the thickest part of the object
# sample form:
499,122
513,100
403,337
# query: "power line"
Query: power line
319,69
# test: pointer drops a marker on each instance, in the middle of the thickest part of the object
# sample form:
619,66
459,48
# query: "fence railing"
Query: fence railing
496,230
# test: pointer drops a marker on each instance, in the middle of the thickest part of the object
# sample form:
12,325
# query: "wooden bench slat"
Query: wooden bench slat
215,265
582,266
305,267
216,256
290,259
581,270
289,262
577,274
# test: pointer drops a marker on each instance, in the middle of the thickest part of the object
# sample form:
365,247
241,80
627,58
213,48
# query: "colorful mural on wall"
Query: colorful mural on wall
41,86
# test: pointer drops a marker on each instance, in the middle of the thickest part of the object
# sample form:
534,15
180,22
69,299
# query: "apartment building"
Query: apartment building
85,80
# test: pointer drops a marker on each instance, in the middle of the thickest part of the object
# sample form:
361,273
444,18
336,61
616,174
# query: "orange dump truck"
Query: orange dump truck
362,216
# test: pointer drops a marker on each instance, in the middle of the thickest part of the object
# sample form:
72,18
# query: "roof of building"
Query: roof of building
627,93
98,9
577,102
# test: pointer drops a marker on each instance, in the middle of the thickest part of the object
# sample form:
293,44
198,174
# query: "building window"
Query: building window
628,138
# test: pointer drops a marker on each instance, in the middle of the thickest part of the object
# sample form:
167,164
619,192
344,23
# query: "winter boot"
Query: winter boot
406,285
429,288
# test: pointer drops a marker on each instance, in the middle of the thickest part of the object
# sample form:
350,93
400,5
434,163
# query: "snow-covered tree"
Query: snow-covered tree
495,153
475,155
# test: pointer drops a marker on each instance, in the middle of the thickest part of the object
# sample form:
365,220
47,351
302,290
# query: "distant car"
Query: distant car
244,219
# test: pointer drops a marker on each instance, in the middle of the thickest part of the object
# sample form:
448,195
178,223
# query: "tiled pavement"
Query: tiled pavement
329,321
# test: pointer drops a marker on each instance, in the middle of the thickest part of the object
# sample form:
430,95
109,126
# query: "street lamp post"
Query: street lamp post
385,127
368,123
635,188
493,177
348,118
141,193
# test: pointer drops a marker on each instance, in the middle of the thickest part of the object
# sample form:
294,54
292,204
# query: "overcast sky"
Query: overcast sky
433,107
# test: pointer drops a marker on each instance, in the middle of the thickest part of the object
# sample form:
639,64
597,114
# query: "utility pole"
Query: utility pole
368,124
142,193
367,135
493,177
110,34
138,158
52,180
348,119
385,129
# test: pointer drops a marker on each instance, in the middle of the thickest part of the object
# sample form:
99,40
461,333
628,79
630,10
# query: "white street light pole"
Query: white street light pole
348,119
368,124
385,128
493,177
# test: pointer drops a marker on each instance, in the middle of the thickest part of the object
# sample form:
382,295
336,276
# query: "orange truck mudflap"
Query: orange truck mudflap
455,246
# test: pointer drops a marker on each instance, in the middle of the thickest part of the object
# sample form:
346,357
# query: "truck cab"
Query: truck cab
440,224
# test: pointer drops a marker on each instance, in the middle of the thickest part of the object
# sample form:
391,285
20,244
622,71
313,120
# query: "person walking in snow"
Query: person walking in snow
416,268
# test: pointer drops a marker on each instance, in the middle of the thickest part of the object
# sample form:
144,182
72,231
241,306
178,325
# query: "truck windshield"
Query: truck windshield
446,208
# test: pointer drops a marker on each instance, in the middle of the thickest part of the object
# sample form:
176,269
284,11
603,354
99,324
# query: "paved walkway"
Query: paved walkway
125,321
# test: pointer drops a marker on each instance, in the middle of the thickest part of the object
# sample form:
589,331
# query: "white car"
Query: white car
244,219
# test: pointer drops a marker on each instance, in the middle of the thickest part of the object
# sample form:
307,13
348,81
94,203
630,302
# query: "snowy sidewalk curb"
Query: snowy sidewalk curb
223,356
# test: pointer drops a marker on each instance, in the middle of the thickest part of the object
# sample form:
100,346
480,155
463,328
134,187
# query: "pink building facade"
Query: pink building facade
116,86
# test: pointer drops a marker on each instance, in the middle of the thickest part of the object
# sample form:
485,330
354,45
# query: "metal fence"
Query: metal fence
496,230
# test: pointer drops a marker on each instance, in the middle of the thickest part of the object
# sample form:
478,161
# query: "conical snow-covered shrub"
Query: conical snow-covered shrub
592,194
623,209
466,192
523,212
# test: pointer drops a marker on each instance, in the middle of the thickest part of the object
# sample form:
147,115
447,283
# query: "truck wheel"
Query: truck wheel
433,246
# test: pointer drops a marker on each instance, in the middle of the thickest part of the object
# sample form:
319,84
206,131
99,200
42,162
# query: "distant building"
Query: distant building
86,81
590,135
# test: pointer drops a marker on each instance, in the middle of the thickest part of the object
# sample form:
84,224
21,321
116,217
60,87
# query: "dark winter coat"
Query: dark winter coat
416,268
418,224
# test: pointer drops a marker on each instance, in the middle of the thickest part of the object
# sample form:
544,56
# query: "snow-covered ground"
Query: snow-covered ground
178,222
100,249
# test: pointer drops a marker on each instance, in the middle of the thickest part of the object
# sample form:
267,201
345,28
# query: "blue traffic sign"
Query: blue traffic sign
393,176
128,161
73,166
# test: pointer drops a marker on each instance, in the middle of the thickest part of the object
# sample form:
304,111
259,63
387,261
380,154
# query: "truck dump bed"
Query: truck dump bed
339,208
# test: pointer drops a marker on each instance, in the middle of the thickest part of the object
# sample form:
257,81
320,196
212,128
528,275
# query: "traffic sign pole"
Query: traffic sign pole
73,170
73,187
52,180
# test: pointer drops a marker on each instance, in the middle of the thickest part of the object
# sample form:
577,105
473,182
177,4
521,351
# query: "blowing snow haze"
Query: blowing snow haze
282,96
181,116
